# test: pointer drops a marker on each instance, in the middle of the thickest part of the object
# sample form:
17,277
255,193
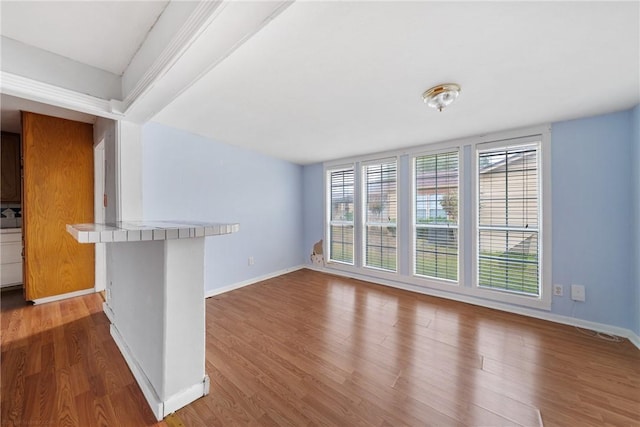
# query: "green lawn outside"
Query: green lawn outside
510,272
437,254
384,258
342,252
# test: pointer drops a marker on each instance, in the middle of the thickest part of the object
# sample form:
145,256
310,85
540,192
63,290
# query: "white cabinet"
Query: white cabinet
11,256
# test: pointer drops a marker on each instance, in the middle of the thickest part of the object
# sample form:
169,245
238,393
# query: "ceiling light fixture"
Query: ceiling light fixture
441,96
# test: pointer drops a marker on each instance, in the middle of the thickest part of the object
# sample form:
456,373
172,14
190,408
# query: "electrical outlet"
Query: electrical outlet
558,290
578,293
250,260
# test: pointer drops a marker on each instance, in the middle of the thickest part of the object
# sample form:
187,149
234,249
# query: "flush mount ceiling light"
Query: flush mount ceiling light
441,96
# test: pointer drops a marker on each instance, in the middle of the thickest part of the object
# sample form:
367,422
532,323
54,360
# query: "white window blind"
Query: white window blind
380,199
341,196
436,215
508,219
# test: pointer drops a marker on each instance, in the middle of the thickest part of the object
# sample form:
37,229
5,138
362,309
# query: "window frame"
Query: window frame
329,222
431,280
363,212
543,301
466,289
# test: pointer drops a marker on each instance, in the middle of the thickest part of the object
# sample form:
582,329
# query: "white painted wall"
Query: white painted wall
137,302
104,141
37,64
129,171
158,318
184,346
105,130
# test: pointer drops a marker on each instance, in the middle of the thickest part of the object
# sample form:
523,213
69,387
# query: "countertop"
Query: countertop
135,231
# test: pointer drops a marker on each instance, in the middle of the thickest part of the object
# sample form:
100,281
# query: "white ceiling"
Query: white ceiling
326,80
103,34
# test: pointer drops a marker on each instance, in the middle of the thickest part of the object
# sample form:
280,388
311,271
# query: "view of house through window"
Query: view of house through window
380,180
342,211
508,219
501,197
436,216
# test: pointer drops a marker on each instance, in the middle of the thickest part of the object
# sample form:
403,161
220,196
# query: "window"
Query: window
470,217
508,252
436,216
380,213
341,196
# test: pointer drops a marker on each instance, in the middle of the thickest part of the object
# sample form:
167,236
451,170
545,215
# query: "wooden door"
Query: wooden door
57,190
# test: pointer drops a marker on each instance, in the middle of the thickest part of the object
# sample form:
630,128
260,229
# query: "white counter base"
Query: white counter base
159,408
156,305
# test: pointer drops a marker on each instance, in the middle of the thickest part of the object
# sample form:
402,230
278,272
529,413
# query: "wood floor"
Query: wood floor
313,349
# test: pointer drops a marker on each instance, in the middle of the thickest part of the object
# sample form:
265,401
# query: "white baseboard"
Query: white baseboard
183,398
108,312
634,338
63,296
159,408
543,315
143,382
218,291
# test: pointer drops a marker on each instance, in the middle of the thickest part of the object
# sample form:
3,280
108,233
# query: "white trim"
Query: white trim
251,281
467,149
326,200
541,137
149,393
190,31
183,398
108,312
634,338
364,223
443,145
99,210
524,311
63,296
159,408
24,87
460,226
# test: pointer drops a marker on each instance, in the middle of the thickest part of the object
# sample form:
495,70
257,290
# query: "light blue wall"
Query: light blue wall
593,217
189,177
635,140
592,213
313,205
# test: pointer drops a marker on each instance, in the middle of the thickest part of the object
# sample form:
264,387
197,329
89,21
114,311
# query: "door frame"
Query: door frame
99,178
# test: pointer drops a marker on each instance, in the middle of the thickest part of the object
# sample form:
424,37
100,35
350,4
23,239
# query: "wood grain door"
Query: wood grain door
57,190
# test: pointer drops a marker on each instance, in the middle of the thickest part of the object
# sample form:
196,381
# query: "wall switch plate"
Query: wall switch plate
250,261
558,290
578,293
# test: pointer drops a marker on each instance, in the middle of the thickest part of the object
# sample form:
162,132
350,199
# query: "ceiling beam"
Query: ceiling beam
188,41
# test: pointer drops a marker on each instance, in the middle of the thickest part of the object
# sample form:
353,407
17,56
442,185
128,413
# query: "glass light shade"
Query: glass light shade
441,96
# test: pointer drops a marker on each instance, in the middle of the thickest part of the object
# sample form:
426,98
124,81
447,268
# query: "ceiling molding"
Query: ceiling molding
178,44
23,87
227,28
184,47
